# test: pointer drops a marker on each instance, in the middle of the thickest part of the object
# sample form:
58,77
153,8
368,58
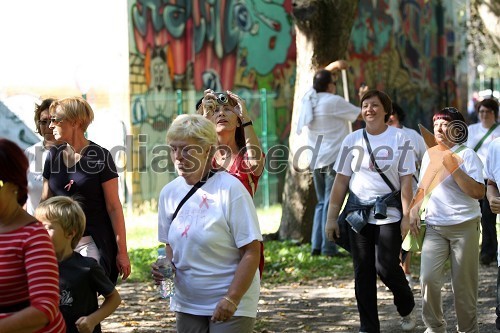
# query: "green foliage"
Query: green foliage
141,260
289,262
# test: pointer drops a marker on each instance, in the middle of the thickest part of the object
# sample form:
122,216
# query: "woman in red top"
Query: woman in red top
29,277
239,151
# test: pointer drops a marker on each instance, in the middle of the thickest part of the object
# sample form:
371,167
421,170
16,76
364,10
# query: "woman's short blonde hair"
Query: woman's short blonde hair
66,212
193,126
74,109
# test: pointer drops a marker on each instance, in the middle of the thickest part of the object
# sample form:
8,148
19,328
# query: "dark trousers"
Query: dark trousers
489,243
375,251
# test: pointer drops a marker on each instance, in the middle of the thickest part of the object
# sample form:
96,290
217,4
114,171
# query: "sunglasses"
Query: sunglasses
450,110
56,121
43,122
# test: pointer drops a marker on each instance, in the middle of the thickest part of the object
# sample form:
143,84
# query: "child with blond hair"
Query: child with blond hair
81,278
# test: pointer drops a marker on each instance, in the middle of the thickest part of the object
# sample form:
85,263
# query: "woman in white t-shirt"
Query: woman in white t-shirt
375,241
451,182
480,136
213,242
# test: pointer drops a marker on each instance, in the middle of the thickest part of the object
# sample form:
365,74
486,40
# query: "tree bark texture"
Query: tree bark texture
323,29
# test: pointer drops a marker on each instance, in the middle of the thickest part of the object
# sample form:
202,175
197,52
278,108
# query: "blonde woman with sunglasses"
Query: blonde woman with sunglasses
86,171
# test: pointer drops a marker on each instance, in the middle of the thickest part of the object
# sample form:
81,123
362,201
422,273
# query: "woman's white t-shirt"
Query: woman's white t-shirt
217,220
394,155
448,204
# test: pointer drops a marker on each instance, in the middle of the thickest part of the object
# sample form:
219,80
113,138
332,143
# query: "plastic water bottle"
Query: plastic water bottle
166,286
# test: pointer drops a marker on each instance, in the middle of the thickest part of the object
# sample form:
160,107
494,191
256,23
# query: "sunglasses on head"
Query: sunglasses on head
450,109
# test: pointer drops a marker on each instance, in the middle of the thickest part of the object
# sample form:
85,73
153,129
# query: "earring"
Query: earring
15,192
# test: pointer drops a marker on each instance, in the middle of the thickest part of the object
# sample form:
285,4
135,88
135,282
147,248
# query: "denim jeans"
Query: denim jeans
323,182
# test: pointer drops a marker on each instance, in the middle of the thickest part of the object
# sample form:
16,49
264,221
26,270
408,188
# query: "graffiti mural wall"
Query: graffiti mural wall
192,45
408,48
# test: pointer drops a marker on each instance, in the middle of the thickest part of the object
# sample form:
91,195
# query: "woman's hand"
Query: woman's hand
224,310
332,229
405,226
240,109
450,161
414,222
123,265
208,103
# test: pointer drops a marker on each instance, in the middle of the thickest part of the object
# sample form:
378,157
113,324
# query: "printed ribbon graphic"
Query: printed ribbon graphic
204,201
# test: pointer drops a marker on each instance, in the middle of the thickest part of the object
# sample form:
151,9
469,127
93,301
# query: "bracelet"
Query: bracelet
231,301
249,123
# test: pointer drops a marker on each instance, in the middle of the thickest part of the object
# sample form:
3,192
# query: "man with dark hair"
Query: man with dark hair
328,118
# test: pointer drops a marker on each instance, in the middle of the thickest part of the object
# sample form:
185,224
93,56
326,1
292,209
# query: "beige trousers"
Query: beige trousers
460,244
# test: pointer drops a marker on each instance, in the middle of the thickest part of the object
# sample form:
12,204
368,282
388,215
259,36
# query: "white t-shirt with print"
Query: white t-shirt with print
476,133
394,155
217,220
448,204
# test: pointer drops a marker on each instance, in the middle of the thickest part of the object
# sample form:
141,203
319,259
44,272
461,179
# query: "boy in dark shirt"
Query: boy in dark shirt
81,279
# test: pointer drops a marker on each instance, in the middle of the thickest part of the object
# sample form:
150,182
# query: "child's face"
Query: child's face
59,238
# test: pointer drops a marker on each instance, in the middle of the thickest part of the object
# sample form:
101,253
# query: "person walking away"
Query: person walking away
480,136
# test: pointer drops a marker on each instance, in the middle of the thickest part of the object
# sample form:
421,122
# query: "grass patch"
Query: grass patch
288,262
285,261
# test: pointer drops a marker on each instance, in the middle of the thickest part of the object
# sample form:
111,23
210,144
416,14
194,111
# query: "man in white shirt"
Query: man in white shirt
328,118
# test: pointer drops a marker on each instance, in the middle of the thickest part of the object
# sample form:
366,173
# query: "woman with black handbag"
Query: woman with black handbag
375,166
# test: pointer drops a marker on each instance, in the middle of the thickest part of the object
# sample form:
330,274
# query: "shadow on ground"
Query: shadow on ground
323,305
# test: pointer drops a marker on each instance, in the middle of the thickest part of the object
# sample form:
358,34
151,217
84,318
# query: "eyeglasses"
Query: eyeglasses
56,121
450,109
43,122
485,111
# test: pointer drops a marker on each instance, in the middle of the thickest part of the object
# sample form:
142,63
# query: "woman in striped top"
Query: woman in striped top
29,277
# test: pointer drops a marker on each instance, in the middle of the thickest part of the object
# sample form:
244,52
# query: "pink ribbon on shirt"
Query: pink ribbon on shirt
204,201
68,186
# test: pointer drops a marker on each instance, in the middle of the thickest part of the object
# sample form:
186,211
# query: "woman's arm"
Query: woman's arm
467,184
115,211
255,158
243,277
29,319
493,196
46,192
337,197
406,198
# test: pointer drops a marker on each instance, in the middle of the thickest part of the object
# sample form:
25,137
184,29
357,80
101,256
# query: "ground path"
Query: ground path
323,305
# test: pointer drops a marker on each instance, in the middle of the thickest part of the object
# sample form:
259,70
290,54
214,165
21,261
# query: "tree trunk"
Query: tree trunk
323,29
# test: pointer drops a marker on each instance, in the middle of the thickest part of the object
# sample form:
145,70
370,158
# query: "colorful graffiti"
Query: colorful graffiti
407,48
193,45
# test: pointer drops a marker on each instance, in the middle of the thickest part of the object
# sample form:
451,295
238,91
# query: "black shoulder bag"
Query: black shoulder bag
380,207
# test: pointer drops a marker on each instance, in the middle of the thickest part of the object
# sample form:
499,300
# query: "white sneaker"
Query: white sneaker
410,280
408,322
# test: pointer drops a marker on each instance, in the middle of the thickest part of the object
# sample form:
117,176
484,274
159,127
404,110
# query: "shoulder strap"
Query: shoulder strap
192,190
480,143
372,158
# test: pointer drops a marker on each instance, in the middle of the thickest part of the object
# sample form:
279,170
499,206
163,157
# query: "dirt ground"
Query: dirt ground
323,305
